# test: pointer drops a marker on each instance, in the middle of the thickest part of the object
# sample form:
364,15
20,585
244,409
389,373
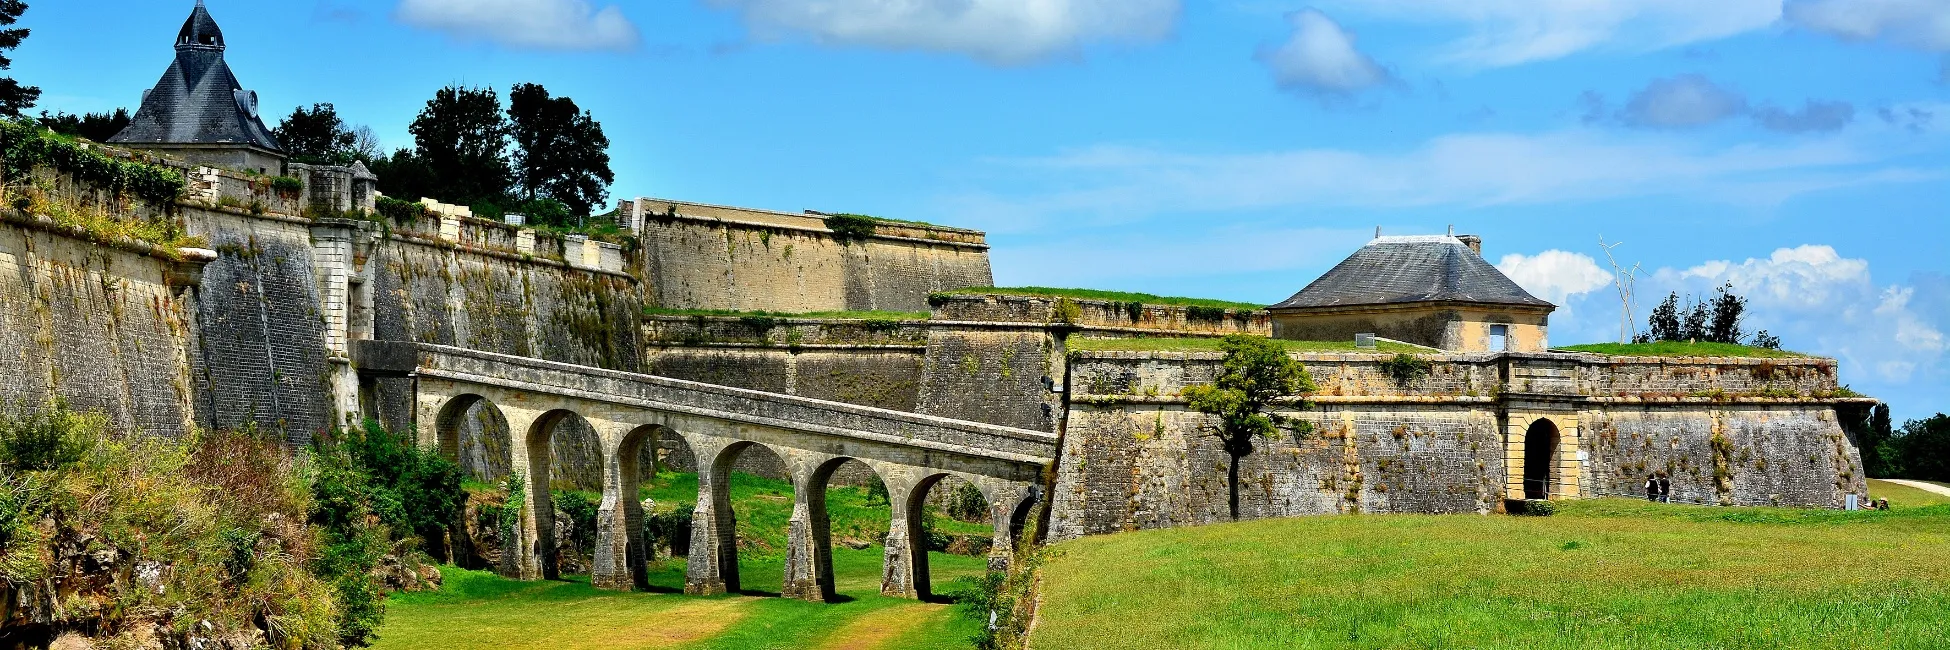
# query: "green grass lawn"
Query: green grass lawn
1601,574
1681,349
1115,296
1904,496
482,610
1160,344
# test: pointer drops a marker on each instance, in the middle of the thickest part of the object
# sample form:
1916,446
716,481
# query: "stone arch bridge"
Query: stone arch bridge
909,452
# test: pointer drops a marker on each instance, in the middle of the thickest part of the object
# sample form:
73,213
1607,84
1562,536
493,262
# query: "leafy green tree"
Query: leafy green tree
404,175
316,136
1665,322
1257,373
1921,450
93,126
561,152
462,139
1698,322
1728,310
14,98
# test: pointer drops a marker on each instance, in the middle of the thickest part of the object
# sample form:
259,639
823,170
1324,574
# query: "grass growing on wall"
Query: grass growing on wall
1083,344
1599,574
1681,349
816,315
1112,296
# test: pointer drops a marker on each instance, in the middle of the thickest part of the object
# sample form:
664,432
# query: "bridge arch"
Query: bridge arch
538,555
472,431
723,518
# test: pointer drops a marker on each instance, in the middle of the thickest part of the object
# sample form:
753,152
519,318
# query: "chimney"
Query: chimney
1474,243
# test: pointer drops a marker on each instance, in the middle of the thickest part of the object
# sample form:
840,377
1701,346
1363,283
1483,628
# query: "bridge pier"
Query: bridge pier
713,564
897,571
1005,498
802,535
619,562
529,555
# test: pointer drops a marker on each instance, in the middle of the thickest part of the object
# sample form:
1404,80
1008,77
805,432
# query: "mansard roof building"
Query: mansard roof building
1436,291
199,112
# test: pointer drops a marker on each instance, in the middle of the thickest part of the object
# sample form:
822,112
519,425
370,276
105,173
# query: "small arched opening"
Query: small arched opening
540,543
952,522
753,473
1540,459
472,432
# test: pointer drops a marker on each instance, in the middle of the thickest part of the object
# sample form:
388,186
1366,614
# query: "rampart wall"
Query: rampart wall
713,257
1728,431
105,327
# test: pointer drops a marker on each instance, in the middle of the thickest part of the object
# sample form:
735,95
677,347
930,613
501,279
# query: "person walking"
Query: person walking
1652,488
1665,488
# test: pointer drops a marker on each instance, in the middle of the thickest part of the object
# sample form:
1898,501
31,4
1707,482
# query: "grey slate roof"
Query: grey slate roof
1397,270
198,100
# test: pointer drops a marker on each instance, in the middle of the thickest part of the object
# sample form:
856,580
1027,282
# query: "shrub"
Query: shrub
287,185
1539,507
48,439
414,491
400,211
1066,312
849,228
671,530
25,145
1406,368
1207,314
967,504
581,509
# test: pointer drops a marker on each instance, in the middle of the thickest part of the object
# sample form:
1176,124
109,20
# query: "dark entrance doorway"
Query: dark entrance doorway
1539,459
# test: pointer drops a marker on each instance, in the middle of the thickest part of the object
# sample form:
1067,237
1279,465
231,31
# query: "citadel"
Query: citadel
561,358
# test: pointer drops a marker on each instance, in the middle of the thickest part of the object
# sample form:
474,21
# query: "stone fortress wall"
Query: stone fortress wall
256,329
1727,431
713,257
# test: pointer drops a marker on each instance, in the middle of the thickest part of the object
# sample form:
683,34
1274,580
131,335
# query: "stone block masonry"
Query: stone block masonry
1728,431
714,257
104,328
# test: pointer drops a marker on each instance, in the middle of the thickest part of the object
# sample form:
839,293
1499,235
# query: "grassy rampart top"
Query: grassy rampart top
1107,296
1682,349
1084,344
818,315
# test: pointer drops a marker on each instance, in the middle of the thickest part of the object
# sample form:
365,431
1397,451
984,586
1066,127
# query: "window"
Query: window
1499,338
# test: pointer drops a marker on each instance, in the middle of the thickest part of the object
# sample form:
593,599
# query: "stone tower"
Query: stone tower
198,111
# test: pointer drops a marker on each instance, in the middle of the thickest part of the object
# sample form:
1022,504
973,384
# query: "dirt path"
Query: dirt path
1920,485
876,629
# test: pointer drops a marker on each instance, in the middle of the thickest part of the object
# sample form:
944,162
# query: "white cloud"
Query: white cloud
1511,32
1821,302
1921,24
1687,100
997,31
545,24
1555,275
1320,58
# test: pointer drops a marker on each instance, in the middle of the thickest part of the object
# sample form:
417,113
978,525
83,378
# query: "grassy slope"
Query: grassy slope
1681,349
481,610
1609,573
1078,343
1118,296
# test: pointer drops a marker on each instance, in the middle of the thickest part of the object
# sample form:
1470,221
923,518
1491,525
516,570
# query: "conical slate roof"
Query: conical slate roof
1398,270
198,100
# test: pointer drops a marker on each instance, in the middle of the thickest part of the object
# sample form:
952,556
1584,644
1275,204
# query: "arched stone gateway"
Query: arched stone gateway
813,439
1539,464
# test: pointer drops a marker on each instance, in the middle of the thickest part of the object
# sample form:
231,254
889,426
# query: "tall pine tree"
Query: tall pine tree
14,97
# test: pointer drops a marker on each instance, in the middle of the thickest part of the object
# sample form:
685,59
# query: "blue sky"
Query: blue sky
1231,148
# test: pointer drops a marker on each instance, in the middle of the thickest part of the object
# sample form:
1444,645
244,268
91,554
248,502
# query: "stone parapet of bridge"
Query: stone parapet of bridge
909,452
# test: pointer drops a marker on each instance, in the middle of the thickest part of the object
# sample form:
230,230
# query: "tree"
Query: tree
1921,450
316,136
1666,325
1698,319
561,152
365,145
1874,442
404,175
462,139
14,98
1728,309
1256,373
93,126
1626,280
